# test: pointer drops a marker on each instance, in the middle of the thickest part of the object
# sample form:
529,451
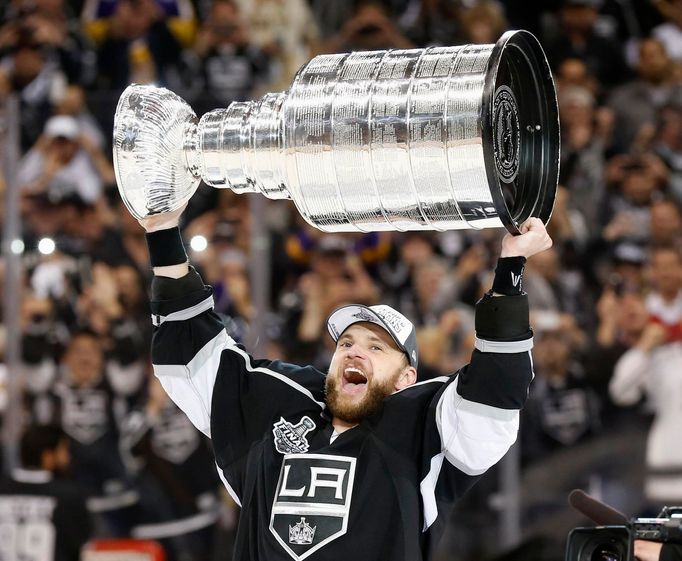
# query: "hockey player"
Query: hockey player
360,462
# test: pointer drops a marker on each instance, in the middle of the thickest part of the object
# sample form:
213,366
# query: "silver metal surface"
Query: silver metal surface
385,140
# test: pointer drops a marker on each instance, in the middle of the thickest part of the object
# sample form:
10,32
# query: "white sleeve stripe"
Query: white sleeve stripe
483,410
229,488
247,360
187,313
474,436
427,488
191,386
503,346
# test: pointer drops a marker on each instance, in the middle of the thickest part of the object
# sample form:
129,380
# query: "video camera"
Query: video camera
613,539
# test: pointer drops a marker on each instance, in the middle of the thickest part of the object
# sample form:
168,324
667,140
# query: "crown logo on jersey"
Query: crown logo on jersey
302,533
290,438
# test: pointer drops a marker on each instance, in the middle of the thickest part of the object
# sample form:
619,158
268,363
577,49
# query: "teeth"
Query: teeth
357,370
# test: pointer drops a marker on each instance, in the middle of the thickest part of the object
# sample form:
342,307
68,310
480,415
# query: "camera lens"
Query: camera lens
605,552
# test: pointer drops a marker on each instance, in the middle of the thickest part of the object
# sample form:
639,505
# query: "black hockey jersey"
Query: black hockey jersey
381,490
42,518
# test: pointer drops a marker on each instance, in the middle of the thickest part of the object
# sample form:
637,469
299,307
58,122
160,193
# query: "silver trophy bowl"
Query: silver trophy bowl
422,139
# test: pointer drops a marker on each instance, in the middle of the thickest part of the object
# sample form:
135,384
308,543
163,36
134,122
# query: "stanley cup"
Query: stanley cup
423,139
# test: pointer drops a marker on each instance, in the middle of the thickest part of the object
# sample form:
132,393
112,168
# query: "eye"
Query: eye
344,344
377,348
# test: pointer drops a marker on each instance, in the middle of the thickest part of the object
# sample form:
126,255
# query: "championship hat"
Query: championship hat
400,328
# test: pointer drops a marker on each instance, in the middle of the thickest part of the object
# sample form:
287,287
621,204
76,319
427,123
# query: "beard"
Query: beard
343,407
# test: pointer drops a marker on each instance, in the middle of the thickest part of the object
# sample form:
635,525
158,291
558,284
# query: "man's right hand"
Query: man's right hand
163,220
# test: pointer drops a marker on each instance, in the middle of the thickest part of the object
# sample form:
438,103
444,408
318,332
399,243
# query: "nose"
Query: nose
354,351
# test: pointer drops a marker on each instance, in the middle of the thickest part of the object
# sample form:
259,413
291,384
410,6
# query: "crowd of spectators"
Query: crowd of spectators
606,300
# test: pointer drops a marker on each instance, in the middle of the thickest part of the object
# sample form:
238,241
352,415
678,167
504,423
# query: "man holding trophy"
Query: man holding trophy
359,462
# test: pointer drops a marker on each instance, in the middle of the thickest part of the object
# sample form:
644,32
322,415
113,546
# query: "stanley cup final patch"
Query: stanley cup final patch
290,438
312,502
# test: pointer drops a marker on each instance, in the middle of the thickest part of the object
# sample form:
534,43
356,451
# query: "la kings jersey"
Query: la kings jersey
381,490
41,519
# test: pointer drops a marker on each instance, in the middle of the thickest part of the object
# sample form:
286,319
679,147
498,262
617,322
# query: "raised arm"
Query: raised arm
204,371
188,338
478,413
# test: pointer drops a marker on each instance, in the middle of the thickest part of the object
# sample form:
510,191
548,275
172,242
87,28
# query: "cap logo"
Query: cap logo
394,321
364,315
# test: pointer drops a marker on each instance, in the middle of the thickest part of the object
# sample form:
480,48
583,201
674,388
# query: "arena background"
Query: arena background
606,300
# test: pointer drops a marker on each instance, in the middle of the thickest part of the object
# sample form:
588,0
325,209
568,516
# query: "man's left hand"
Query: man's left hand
533,239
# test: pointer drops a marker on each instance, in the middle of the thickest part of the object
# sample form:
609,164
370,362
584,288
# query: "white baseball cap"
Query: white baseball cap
400,328
62,126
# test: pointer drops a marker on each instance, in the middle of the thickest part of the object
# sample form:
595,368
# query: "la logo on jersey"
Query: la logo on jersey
312,502
290,438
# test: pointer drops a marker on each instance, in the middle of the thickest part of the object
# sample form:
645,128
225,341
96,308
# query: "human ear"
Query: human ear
407,377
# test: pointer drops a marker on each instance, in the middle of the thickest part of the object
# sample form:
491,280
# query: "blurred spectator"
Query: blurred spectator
433,22
622,318
86,412
625,210
178,15
43,514
484,22
627,273
43,337
337,277
651,370
428,279
578,38
177,478
562,409
395,273
445,346
636,103
58,30
369,29
63,163
555,289
573,72
330,15
585,134
669,33
73,103
667,145
666,223
568,228
135,41
372,248
228,62
28,71
127,246
284,29
664,302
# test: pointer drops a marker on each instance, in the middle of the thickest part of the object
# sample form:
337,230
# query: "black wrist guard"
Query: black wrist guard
166,247
509,275
502,318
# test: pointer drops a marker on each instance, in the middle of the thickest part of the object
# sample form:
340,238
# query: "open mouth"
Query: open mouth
354,379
